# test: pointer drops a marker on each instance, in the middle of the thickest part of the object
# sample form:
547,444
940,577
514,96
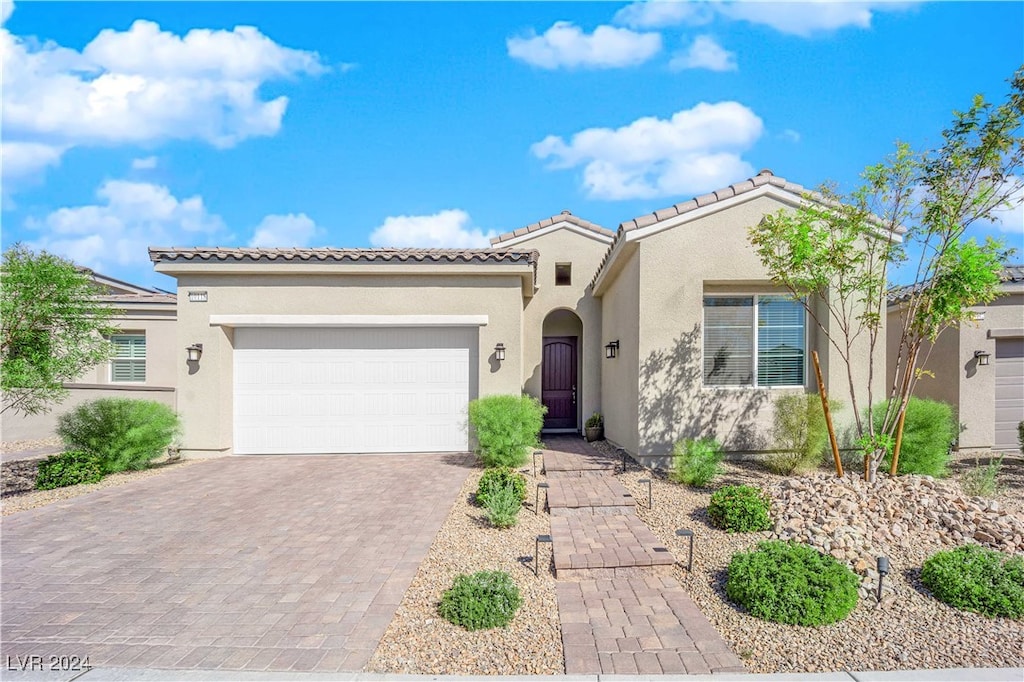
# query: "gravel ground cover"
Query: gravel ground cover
16,445
420,641
18,478
908,630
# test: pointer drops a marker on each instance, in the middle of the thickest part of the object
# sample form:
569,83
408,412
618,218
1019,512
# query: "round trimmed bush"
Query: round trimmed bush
787,582
68,468
740,509
977,579
486,599
497,478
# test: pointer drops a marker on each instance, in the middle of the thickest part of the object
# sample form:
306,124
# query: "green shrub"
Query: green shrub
696,462
1020,436
501,476
928,430
486,599
595,420
977,579
786,582
740,509
502,504
799,434
68,468
121,433
506,427
983,479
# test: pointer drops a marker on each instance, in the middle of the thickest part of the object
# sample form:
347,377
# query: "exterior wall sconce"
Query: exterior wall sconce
499,352
982,357
612,349
194,352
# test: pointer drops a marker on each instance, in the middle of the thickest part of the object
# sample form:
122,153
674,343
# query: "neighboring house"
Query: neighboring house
977,368
143,366
670,327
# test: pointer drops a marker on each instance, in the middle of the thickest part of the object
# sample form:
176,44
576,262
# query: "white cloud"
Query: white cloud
26,159
145,85
144,163
704,53
804,18
117,230
451,228
661,13
694,151
285,230
790,135
6,8
1011,219
566,45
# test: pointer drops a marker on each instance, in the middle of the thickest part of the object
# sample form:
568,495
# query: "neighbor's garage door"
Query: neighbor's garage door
1009,391
314,390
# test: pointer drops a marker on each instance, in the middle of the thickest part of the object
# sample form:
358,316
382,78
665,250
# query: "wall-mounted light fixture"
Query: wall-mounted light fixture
499,352
982,357
612,349
194,352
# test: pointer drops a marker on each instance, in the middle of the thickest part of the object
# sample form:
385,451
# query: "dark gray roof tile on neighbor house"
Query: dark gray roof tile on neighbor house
1008,275
155,297
563,217
333,255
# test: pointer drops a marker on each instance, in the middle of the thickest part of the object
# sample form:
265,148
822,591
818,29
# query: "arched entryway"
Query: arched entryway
561,371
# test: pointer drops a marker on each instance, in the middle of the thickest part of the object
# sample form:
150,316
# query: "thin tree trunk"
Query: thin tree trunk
828,415
899,442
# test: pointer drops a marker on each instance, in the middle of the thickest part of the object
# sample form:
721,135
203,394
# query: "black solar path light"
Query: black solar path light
650,495
536,497
536,553
687,533
883,570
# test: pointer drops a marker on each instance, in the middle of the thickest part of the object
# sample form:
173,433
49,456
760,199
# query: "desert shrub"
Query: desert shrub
502,504
928,430
501,476
799,434
68,468
977,579
121,433
983,479
486,599
1020,436
506,427
696,462
787,582
740,509
595,420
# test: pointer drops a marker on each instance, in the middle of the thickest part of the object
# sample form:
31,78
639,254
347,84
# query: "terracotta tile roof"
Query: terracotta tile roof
765,177
1008,275
333,255
563,217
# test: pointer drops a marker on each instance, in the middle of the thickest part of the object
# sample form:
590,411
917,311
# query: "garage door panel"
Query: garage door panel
323,391
1009,392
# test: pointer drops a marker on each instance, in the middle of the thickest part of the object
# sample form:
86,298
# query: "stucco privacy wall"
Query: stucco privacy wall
584,252
619,382
205,391
162,355
677,265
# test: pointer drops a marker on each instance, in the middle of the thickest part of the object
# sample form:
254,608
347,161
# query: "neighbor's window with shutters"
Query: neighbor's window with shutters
738,352
129,361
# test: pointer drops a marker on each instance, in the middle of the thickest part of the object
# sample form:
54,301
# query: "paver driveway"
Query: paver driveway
257,563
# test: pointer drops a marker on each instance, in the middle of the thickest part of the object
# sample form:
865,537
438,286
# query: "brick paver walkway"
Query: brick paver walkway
620,613
590,495
241,563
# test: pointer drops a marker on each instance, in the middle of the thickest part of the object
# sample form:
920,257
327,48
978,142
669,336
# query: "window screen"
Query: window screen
780,341
728,340
734,355
129,361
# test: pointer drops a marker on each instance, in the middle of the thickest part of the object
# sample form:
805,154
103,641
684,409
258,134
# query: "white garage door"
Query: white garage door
1009,368
312,391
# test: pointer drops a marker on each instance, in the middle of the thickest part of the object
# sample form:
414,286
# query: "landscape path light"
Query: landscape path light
687,533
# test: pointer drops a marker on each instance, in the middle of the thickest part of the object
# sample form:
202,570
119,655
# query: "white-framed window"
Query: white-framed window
754,340
129,362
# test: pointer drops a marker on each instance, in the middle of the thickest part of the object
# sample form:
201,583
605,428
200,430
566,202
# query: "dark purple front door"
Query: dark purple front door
558,382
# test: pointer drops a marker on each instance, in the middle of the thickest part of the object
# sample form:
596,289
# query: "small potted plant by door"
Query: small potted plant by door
595,427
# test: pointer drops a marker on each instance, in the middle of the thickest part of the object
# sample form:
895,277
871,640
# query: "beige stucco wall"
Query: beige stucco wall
676,267
959,380
585,253
205,391
162,352
619,382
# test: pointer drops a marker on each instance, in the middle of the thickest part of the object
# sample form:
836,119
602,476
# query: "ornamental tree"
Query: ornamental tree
52,328
910,211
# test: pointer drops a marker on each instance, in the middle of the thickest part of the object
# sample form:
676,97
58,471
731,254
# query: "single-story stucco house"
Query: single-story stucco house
144,365
669,327
978,368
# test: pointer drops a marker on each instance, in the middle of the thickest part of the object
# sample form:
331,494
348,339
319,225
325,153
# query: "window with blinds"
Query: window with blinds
129,361
738,352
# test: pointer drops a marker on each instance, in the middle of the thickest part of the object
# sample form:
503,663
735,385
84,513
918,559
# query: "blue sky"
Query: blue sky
130,124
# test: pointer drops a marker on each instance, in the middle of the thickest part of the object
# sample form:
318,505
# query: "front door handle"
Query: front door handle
573,395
